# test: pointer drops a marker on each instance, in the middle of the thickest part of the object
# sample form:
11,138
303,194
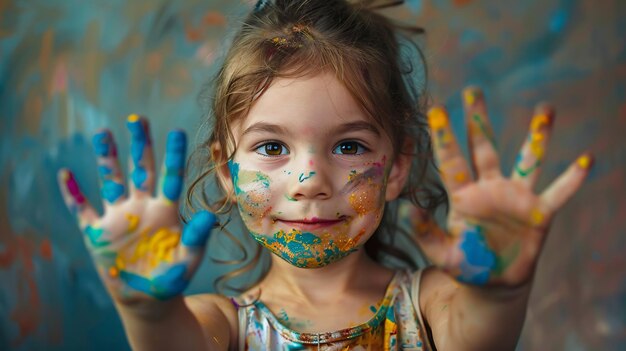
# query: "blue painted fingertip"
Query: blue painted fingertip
164,286
198,229
139,141
175,151
102,143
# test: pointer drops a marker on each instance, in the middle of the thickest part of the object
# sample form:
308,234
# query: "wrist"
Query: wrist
149,308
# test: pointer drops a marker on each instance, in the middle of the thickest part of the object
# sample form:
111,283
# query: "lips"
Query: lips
312,223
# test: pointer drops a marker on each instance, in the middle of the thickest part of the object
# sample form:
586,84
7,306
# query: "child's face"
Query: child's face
311,171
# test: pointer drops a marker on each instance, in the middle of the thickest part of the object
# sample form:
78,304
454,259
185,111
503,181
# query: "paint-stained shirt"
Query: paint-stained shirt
397,325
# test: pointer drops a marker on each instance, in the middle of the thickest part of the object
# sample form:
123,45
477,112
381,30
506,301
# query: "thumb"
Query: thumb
198,229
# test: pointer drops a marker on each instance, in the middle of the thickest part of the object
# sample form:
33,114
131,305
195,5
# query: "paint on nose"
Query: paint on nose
304,177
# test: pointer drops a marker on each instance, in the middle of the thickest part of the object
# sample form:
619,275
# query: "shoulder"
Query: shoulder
217,317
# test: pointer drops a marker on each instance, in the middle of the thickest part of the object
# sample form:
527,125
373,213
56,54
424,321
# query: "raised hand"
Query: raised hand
496,225
136,244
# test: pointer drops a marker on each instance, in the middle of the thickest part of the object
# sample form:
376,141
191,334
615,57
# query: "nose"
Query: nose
312,182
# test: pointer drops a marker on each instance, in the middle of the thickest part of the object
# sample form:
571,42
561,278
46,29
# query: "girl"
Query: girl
317,131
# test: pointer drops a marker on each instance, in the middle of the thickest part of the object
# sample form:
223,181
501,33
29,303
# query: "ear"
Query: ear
399,171
222,171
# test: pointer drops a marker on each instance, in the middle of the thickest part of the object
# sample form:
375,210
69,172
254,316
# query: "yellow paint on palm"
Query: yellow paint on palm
162,245
536,217
155,249
133,222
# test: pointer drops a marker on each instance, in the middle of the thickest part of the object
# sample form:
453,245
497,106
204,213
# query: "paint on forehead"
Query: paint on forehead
304,249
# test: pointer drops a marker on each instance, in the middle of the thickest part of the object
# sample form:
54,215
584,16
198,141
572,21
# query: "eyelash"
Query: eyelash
359,147
265,144
261,149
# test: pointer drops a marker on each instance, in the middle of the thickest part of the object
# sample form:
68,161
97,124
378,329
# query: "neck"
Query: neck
352,273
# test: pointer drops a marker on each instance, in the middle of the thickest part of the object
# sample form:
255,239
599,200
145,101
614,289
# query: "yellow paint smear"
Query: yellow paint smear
536,217
584,161
437,118
133,118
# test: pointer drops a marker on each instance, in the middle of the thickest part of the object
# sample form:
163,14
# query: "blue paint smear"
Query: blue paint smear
94,235
198,229
175,151
164,286
112,191
102,144
137,147
479,259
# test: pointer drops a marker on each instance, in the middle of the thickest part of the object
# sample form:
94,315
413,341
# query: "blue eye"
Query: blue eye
272,149
349,148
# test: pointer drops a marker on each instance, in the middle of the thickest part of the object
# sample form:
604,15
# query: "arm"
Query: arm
191,323
464,317
496,228
141,252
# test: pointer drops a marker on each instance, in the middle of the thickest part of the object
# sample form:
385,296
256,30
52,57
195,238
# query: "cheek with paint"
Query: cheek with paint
365,190
252,190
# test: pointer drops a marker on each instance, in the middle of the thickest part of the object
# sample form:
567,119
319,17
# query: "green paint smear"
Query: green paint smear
508,256
527,171
486,132
290,198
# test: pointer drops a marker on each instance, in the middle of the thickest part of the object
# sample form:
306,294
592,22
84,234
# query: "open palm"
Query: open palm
496,225
136,244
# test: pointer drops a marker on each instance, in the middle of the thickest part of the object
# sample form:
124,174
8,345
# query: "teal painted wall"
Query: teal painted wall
70,67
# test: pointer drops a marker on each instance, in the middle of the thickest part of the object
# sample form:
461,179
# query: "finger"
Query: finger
485,162
197,231
109,171
528,163
171,180
141,157
74,199
453,167
431,238
562,189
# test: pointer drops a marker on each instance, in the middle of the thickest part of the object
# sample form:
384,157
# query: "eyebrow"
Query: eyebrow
264,127
357,126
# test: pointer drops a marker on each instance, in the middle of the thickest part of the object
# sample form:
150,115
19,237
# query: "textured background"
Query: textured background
70,67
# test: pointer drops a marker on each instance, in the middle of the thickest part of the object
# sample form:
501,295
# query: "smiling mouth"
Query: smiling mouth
313,223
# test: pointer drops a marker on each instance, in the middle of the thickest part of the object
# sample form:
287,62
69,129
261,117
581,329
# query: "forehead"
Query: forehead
311,102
